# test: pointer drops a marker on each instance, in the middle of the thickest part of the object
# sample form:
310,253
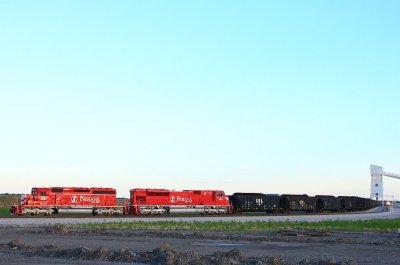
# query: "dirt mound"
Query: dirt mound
164,254
18,244
123,255
58,229
231,257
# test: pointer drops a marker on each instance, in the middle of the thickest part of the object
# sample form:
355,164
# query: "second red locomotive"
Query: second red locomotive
160,201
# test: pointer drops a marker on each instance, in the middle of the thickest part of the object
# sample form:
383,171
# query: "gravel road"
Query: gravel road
378,213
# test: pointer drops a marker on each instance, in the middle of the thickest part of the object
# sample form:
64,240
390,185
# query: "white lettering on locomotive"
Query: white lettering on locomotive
89,199
183,199
82,198
74,199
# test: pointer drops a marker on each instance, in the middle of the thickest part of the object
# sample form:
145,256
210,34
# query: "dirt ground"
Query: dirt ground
61,245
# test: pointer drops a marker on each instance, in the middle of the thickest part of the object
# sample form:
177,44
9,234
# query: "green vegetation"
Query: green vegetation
253,226
4,212
7,199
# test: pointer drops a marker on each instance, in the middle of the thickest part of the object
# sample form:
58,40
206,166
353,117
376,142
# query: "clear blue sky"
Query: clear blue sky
265,96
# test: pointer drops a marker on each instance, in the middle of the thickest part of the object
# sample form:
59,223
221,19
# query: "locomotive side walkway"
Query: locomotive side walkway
378,213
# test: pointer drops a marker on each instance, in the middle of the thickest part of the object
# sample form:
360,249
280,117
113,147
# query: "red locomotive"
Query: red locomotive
160,201
50,200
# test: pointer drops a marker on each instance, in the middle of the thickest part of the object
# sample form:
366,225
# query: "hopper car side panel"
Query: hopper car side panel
272,203
326,203
254,202
250,202
348,203
294,202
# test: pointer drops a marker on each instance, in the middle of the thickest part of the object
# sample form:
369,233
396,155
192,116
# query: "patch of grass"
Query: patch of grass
4,211
252,226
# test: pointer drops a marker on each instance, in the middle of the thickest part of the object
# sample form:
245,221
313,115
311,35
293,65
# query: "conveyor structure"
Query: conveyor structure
377,174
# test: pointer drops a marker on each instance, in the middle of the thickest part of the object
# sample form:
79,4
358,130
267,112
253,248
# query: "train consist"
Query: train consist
103,201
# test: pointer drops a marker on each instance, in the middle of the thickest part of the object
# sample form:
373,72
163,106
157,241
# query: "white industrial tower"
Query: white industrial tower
376,181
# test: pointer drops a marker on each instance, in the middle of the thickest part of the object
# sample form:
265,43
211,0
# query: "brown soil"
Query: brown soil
61,245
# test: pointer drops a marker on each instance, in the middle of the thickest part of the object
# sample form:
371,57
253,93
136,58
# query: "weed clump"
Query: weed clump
58,229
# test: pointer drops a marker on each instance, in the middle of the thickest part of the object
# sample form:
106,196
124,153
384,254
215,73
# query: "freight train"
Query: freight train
103,201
